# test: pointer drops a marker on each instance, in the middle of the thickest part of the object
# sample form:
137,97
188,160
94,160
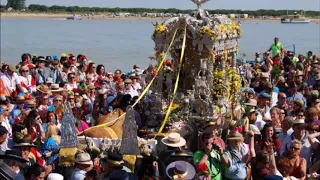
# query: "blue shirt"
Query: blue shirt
78,174
237,169
297,96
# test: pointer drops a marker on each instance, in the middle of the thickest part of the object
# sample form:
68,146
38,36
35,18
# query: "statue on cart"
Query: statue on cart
208,78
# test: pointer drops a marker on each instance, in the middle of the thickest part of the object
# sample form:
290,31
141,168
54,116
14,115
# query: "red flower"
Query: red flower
202,167
153,74
239,129
218,58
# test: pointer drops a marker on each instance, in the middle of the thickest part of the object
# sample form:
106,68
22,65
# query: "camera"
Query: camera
215,147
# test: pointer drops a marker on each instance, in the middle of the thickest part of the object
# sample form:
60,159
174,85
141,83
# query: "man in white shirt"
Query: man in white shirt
11,79
287,130
128,88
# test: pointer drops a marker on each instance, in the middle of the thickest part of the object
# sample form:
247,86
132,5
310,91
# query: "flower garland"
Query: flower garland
218,83
160,29
207,31
234,82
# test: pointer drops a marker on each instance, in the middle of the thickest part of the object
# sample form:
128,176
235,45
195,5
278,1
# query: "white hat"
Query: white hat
254,129
54,176
49,80
174,140
84,158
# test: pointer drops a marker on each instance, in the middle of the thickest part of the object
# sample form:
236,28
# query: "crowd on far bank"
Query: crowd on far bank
279,100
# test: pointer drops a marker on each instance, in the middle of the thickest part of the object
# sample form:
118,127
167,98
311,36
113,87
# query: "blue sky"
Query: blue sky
187,4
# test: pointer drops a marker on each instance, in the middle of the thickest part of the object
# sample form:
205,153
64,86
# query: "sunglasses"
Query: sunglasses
6,109
57,100
24,71
72,77
93,67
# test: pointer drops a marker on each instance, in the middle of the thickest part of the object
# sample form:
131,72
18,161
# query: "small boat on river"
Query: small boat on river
295,19
74,17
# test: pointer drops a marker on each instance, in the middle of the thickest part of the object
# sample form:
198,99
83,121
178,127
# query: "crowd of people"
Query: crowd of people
279,98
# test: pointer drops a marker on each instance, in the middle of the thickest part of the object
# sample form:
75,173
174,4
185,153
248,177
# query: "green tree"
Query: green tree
16,4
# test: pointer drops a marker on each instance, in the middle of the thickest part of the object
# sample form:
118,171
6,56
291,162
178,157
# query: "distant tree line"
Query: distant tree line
77,9
16,4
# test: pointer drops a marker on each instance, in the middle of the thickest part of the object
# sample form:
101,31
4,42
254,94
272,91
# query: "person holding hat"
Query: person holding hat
128,89
300,134
209,156
83,165
14,160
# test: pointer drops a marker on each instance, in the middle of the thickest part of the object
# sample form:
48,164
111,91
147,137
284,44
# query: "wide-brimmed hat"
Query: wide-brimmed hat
24,143
49,59
122,175
300,102
55,88
128,81
114,159
265,95
234,135
132,76
44,89
84,158
15,155
54,176
91,86
181,153
251,102
298,121
254,129
264,75
299,73
174,140
41,58
6,172
12,67
20,98
180,170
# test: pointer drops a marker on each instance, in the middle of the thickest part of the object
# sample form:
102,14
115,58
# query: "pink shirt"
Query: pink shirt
83,126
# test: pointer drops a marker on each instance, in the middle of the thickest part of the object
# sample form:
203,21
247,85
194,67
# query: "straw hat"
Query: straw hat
299,73
264,75
44,89
174,140
12,67
234,135
24,143
180,170
84,158
300,102
128,81
254,129
91,86
55,88
251,102
298,121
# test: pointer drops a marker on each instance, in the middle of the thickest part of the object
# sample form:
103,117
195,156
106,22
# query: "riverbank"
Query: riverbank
106,17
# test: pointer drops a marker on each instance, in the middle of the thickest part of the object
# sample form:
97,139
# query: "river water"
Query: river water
123,43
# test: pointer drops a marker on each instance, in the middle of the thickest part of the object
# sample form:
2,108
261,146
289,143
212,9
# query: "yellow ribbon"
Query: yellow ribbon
148,86
177,80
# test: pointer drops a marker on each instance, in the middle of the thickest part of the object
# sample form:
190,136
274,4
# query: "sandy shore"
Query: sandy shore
104,17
